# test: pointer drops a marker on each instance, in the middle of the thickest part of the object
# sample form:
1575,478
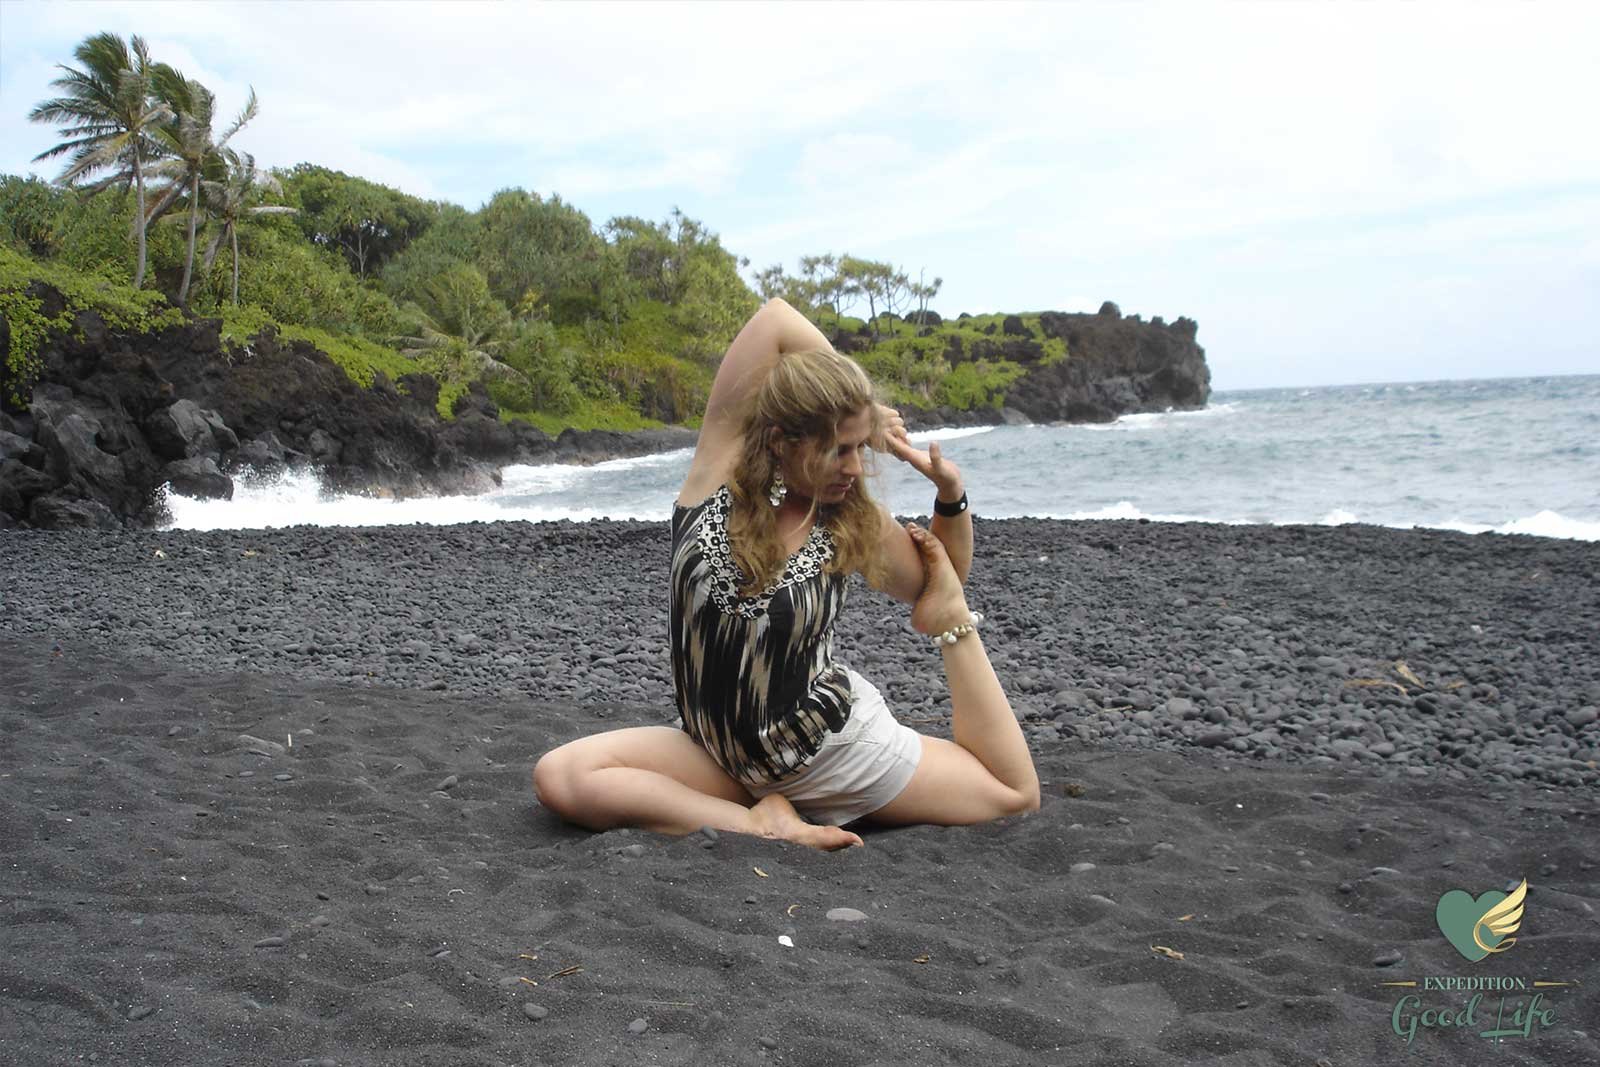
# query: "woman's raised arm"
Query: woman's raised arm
771,332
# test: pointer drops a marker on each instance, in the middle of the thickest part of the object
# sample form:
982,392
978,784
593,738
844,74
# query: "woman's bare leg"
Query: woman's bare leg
988,772
657,778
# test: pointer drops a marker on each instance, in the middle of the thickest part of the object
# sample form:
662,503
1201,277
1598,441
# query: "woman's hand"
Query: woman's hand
932,465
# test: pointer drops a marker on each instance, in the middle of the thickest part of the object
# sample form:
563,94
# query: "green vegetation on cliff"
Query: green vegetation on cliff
566,323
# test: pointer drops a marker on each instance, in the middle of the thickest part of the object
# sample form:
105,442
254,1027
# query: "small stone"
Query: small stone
767,1042
709,833
632,851
1346,887
175,731
1079,868
141,1011
638,1026
321,920
1387,959
750,899
1242,1004
282,777
846,915
1231,869
323,896
270,942
1319,797
1384,870
375,890
535,1012
449,783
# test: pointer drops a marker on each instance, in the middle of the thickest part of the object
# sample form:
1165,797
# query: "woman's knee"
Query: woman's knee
554,780
1023,803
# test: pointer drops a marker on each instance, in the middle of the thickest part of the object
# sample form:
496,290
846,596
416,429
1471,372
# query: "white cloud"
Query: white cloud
1020,150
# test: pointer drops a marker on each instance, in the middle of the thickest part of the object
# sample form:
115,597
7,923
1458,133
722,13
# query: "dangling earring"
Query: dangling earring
777,490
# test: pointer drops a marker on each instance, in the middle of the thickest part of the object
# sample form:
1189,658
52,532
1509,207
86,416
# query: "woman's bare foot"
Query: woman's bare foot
773,816
942,604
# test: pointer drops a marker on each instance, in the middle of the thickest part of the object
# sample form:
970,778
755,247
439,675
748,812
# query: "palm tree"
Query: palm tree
187,138
229,187
461,323
109,111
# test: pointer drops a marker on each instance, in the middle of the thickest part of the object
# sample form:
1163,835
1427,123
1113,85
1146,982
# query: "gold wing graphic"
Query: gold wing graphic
1502,919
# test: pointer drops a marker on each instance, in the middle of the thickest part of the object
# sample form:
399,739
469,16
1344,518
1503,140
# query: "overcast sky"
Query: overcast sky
1336,192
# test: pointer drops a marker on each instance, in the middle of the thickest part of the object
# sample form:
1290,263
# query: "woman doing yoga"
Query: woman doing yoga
777,738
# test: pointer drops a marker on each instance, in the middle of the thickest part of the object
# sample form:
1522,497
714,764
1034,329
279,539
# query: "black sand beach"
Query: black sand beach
265,800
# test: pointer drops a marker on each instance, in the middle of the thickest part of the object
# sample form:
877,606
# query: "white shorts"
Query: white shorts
857,770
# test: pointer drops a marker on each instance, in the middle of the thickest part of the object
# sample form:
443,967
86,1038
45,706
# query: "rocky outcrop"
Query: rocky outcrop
117,416
1115,366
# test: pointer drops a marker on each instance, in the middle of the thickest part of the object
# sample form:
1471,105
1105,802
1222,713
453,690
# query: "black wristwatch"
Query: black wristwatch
950,510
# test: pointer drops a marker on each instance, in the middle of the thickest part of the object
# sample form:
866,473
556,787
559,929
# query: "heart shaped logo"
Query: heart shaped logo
1478,927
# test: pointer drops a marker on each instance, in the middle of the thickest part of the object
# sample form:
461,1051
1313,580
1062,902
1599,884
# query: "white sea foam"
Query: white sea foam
1149,420
947,433
298,499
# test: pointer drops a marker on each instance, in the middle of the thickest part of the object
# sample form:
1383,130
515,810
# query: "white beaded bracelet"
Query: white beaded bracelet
955,633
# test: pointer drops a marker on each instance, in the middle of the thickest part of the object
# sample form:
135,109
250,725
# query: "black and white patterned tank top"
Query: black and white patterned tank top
755,678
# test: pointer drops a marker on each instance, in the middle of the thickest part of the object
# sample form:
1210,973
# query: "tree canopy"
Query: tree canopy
561,317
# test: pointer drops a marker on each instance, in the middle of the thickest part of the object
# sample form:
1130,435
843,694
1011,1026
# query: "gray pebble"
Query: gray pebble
709,833
140,1012
282,777
1387,959
1231,869
1079,868
1321,797
271,942
767,1042
535,1011
846,915
321,920
1384,870
449,783
632,851
375,890
638,1026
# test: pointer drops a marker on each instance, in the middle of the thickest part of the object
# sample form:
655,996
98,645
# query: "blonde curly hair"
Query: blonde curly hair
805,397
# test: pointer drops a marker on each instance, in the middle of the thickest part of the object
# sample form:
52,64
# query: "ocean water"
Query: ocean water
1505,455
